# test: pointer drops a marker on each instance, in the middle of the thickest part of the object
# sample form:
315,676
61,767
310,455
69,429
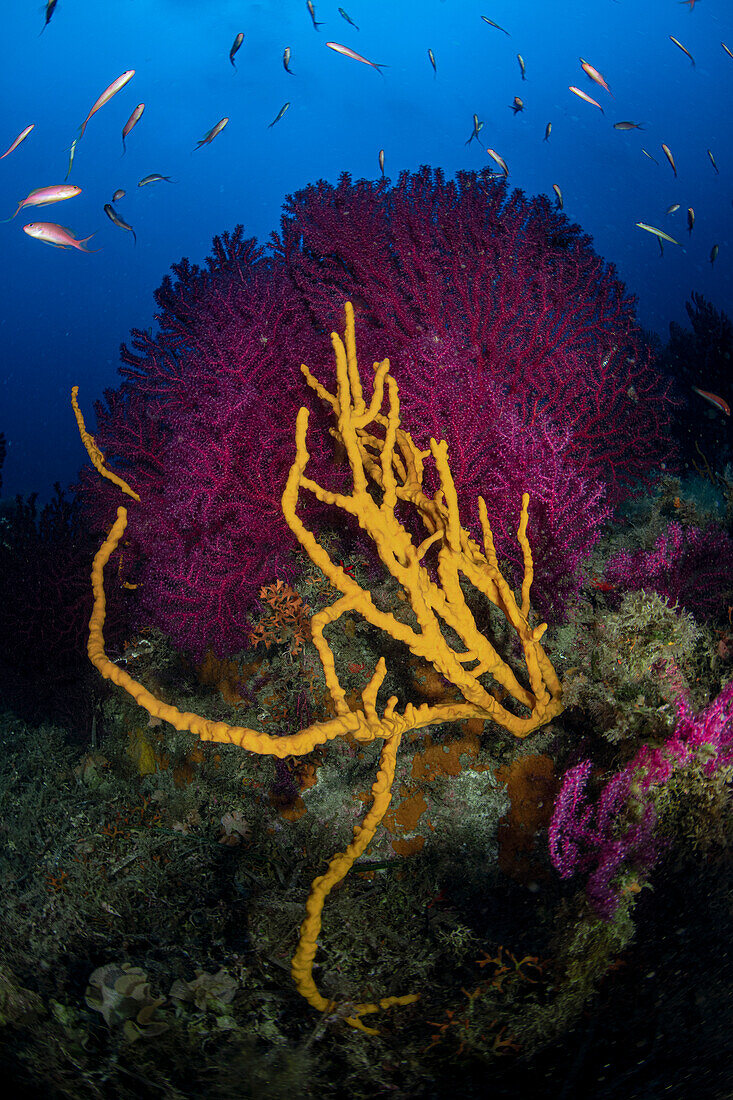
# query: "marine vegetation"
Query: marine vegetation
510,338
387,473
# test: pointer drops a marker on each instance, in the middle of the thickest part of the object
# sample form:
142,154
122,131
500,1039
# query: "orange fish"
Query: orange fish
132,121
587,98
44,196
106,95
348,52
594,75
719,402
57,235
21,137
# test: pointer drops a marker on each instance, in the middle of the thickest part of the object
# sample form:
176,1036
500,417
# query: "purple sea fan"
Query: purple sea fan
616,833
605,838
507,335
203,428
691,566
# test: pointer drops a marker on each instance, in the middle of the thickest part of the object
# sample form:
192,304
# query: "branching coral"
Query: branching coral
387,473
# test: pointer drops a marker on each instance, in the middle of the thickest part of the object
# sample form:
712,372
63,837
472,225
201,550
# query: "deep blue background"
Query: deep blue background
64,314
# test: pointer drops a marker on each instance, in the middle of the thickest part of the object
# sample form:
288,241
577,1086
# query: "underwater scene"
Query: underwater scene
366,549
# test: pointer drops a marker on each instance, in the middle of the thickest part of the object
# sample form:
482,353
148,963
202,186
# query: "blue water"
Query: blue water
64,313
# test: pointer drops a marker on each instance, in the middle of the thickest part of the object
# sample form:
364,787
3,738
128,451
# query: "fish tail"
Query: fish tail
83,240
3,220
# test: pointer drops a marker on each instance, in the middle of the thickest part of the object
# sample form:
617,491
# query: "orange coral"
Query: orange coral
289,621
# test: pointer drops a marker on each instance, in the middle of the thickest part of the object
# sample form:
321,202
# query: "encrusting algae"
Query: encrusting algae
387,467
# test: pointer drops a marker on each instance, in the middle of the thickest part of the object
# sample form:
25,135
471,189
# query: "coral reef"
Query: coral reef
509,337
619,837
202,424
441,628
690,566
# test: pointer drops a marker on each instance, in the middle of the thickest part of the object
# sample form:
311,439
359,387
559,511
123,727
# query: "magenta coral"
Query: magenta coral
203,428
615,835
691,566
508,336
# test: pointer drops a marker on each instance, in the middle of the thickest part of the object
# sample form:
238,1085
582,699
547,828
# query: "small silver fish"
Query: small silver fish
312,13
712,161
154,178
690,220
381,161
347,51
343,15
72,150
520,59
658,233
431,55
499,160
713,254
548,130
117,220
279,115
212,133
235,46
683,48
673,208
558,194
477,127
627,126
50,8
496,25
668,154
286,61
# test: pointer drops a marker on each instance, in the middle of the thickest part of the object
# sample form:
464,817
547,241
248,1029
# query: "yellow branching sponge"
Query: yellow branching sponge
387,470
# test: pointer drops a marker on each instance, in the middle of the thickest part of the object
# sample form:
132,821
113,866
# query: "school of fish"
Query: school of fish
60,237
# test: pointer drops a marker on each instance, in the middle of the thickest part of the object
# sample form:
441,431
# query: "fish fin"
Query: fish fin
81,241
